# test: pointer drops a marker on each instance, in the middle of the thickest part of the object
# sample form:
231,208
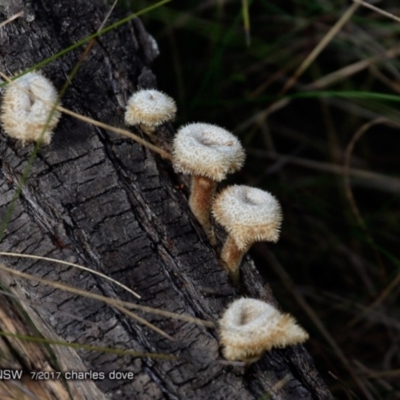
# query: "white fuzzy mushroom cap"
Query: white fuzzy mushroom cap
207,150
150,107
23,113
249,327
248,214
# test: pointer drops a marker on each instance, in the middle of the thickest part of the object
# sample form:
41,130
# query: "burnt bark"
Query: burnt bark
103,201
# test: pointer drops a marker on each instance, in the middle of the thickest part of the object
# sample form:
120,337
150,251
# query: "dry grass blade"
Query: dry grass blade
120,131
347,187
383,374
5,253
107,15
378,10
350,70
325,81
143,322
12,18
261,116
111,302
321,46
123,352
372,180
379,300
280,384
385,80
386,292
349,194
80,292
83,56
273,392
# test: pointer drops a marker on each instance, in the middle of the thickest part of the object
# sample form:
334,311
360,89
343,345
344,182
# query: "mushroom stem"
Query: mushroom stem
231,257
249,215
208,153
201,197
148,130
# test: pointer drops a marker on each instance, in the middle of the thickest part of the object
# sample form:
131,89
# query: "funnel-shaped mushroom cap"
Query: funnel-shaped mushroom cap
207,150
26,108
249,327
149,107
248,214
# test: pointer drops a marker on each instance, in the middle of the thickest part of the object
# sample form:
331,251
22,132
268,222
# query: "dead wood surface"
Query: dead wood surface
108,203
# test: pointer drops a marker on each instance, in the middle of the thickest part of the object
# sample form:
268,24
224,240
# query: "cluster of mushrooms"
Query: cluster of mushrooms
208,153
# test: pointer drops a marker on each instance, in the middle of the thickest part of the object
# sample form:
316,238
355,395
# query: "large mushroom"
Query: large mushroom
208,153
249,327
27,109
249,215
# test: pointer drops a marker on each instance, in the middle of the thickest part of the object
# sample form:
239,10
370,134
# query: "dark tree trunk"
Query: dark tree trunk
104,201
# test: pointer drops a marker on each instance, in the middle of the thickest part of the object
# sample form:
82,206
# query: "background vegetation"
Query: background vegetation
336,267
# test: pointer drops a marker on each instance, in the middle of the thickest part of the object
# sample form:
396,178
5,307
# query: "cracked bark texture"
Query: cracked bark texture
105,202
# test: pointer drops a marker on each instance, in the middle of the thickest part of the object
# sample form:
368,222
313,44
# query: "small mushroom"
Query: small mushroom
26,108
149,108
208,153
249,215
249,327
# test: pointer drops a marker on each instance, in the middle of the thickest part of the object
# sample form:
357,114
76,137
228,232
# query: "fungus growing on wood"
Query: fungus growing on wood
249,215
208,153
148,109
249,327
27,106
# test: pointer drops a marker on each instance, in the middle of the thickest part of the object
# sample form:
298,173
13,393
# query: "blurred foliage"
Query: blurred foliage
340,256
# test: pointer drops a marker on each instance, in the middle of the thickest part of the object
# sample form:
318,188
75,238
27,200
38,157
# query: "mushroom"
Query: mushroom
208,153
27,106
249,215
249,327
149,108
